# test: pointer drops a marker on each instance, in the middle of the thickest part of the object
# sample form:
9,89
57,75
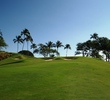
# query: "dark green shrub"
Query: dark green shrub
26,52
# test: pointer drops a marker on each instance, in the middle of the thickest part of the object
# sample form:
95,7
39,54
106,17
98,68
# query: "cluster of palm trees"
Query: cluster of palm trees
95,47
48,49
51,49
22,38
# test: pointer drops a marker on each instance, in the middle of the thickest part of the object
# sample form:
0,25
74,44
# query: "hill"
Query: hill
27,78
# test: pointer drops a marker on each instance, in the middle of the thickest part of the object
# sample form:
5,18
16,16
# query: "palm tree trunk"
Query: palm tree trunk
23,46
17,47
27,45
33,50
57,51
23,42
66,52
106,57
83,53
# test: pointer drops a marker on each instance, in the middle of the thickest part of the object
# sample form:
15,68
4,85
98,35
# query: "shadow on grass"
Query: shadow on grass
60,58
71,57
14,62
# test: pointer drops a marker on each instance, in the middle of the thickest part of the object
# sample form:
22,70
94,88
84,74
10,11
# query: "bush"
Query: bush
26,52
4,55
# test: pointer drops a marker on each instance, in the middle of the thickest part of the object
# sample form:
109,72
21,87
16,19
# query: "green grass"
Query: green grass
37,79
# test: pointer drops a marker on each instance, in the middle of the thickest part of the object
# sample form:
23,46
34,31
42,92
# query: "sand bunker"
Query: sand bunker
49,60
67,59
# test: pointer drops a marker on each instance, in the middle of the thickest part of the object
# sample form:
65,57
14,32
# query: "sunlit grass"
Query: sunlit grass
59,79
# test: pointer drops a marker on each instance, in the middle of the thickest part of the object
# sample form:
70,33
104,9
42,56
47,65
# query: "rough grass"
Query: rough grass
36,79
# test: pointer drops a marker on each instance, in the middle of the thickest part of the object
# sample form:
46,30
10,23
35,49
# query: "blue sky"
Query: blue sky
70,21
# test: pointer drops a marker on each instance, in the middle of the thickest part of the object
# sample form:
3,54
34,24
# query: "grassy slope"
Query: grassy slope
36,79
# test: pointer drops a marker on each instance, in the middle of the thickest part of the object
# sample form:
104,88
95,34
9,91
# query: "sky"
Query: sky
69,21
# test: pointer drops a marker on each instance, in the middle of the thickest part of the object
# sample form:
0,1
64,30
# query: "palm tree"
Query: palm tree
25,33
36,51
54,51
58,45
94,36
33,46
82,47
28,39
49,45
42,49
18,39
67,46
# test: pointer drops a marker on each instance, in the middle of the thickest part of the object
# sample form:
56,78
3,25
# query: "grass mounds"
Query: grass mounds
36,79
58,58
13,59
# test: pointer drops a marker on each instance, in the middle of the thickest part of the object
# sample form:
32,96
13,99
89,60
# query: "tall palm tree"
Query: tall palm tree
25,33
58,45
67,46
49,44
19,40
28,39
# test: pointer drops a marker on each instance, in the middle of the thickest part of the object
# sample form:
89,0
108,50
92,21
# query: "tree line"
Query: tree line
94,47
48,49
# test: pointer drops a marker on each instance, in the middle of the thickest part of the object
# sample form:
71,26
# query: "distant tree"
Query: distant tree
82,48
19,40
2,42
94,36
49,45
54,52
67,46
33,46
42,50
36,51
58,45
104,44
88,44
95,46
95,53
28,39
